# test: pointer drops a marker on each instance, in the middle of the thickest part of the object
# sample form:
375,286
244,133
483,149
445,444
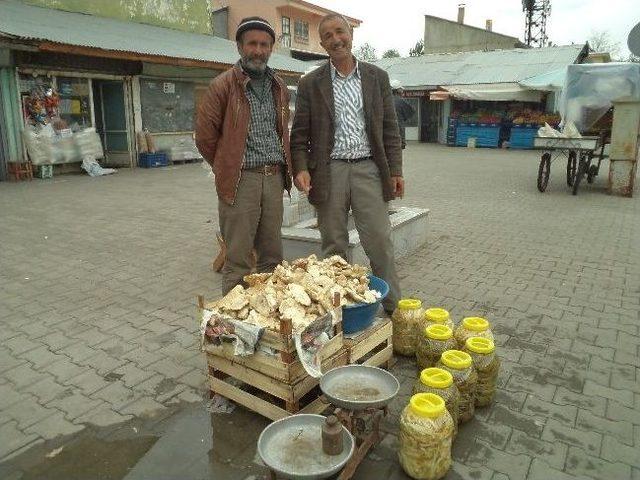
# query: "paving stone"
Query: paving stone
143,357
539,389
142,407
13,439
102,417
540,408
41,357
581,464
65,370
131,375
169,368
27,412
116,394
553,453
102,362
47,390
615,451
195,378
623,396
24,375
540,470
623,431
516,466
616,411
75,404
88,381
54,426
518,421
594,404
554,432
20,344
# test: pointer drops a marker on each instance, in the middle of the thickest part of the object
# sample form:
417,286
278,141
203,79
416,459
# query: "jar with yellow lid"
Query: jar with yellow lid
487,365
436,316
440,382
460,365
435,340
406,318
426,434
472,327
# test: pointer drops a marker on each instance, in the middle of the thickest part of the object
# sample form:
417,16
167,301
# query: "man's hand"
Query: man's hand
397,187
303,181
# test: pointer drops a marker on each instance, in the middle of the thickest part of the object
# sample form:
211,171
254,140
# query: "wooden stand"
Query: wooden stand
373,346
278,385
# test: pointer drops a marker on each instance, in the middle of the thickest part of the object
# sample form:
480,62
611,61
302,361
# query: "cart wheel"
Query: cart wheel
580,171
592,173
543,171
571,168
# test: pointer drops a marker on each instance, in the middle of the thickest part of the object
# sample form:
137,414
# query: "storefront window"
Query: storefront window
75,101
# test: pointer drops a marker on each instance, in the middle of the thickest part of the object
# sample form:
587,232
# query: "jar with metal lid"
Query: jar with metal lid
487,365
440,382
426,434
435,340
436,316
472,327
460,365
406,318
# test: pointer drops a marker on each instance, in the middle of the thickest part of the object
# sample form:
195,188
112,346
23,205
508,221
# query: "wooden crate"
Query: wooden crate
373,346
285,366
271,397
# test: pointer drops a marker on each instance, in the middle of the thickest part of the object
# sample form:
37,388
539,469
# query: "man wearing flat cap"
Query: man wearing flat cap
242,132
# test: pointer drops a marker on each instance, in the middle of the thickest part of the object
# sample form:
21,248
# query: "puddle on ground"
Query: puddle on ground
186,442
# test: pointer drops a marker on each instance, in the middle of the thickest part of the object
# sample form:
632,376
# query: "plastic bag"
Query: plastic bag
93,168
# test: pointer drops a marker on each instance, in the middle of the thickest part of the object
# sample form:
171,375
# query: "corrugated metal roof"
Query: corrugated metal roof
469,68
37,23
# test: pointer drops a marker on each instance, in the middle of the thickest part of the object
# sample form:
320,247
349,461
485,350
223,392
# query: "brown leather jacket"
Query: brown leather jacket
222,126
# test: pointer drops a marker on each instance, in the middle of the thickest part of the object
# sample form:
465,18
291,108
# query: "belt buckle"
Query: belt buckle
269,170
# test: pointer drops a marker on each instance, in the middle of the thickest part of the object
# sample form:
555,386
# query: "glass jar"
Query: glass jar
435,340
426,434
472,327
437,316
460,365
405,319
440,382
487,365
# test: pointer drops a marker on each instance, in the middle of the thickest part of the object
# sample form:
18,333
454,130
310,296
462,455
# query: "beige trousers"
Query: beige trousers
253,221
357,186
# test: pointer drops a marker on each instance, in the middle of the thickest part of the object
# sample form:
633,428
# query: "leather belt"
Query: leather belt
354,160
266,170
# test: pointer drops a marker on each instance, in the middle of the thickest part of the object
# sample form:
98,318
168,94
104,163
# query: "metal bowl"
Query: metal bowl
292,447
356,387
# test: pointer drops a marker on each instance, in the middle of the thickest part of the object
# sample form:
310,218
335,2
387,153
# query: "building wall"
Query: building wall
186,15
273,11
445,36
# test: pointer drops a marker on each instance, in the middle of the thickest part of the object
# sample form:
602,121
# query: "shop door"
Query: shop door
429,117
111,121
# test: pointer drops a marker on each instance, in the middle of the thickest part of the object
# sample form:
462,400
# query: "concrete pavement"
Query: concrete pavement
98,278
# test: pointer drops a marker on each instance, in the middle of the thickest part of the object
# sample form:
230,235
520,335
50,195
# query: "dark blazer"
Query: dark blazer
312,133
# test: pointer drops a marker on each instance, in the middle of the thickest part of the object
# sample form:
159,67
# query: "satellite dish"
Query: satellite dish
633,42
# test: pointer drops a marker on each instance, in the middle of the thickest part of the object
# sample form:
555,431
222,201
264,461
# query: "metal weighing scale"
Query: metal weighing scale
292,447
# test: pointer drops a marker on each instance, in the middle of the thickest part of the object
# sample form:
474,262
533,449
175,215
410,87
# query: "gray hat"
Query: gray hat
254,23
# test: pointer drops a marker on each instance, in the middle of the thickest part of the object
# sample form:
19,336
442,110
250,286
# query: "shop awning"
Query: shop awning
51,30
547,82
439,95
494,92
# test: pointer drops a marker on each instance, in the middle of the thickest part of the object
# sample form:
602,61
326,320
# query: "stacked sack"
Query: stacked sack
460,374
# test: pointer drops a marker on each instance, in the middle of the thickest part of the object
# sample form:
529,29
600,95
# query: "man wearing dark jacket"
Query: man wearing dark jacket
346,151
242,132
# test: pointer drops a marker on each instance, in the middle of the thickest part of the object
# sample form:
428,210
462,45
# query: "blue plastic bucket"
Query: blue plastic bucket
361,315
